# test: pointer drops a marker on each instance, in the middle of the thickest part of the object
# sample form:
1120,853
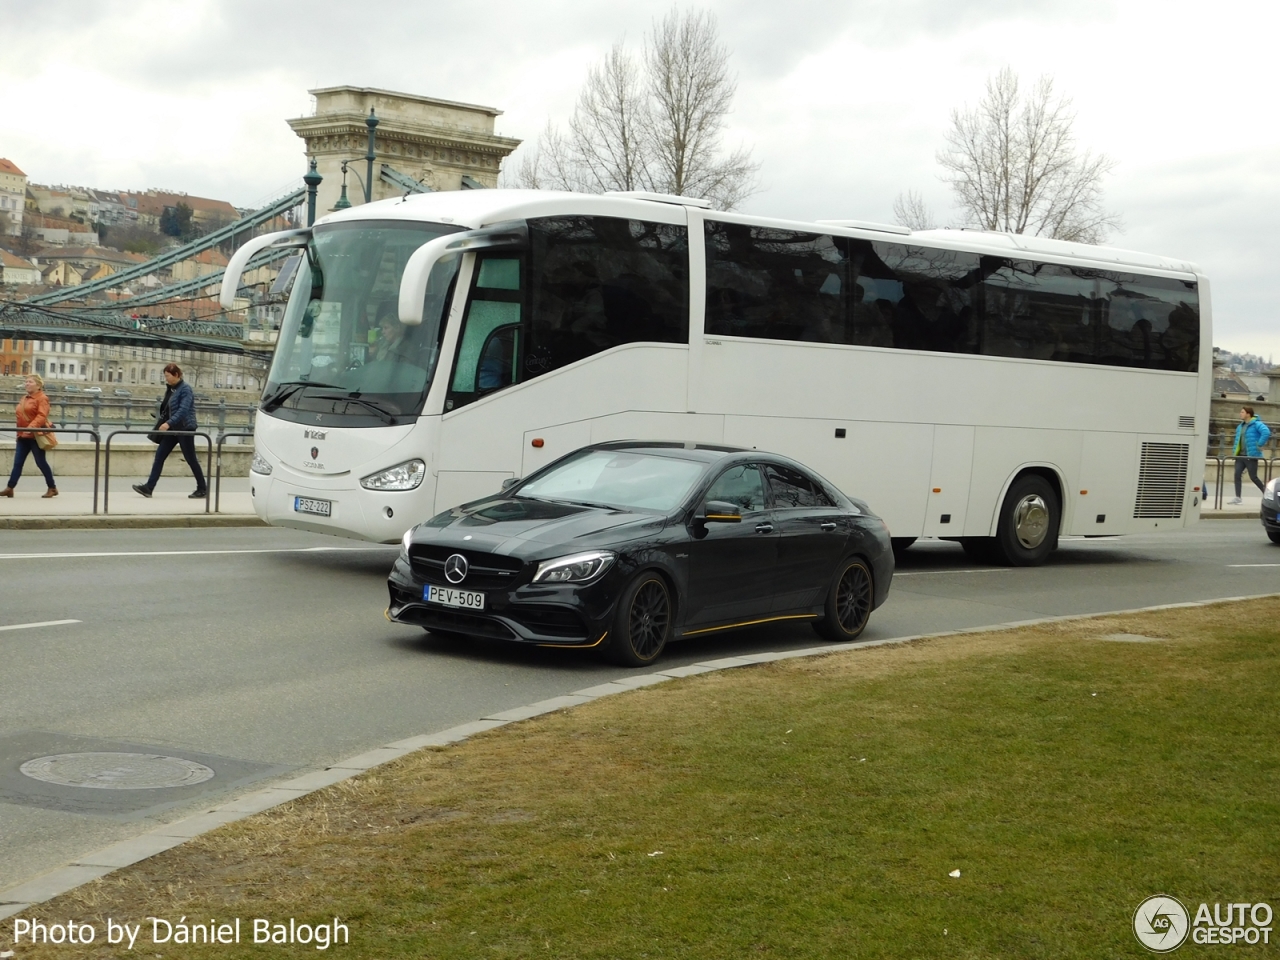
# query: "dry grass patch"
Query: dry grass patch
807,808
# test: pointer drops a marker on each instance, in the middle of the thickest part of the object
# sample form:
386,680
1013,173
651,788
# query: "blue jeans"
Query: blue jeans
167,443
25,446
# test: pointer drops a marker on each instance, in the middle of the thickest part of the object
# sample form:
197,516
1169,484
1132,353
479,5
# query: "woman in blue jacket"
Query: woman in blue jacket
1251,435
177,412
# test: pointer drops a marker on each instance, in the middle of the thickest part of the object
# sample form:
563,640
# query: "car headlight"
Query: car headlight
404,544
260,465
403,476
1272,491
579,568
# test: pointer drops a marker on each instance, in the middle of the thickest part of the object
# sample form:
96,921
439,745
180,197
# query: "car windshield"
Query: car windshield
624,479
342,348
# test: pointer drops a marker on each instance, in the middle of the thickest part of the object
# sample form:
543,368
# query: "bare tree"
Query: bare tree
1014,166
655,125
910,211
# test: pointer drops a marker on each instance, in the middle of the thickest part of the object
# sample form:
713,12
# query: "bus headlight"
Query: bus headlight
403,476
260,465
579,568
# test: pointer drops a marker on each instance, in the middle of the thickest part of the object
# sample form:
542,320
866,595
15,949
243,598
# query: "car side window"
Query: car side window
742,486
791,488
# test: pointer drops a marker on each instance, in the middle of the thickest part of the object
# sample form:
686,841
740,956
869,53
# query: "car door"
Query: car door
813,532
731,564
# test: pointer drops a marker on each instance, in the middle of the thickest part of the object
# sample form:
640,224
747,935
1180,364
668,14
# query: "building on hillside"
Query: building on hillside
60,273
150,206
202,264
439,143
15,357
16,270
90,258
13,198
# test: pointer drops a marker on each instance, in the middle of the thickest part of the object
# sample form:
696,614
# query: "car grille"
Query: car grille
549,621
433,618
486,571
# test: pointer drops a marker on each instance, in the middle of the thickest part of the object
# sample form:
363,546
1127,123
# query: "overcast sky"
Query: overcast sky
844,104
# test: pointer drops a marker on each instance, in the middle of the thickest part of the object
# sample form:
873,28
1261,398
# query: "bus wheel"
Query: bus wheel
848,602
642,624
1029,518
900,545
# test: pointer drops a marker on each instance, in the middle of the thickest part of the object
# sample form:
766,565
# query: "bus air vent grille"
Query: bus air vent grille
1162,480
1186,423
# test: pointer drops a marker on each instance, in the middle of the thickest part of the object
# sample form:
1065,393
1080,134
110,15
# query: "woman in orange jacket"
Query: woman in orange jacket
33,411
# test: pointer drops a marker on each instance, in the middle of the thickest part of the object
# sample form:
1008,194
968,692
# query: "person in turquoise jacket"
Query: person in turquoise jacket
1251,435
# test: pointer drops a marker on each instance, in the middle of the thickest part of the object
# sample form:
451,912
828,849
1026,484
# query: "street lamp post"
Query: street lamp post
371,122
312,179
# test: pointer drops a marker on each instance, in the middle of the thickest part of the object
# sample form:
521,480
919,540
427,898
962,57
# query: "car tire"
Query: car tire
849,602
1029,519
642,623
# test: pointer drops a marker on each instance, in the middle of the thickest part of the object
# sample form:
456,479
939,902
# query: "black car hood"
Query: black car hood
522,526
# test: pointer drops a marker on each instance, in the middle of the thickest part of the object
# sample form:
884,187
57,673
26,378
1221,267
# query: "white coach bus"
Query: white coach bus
988,388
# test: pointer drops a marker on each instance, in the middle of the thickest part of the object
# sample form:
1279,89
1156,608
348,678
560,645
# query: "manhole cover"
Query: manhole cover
116,771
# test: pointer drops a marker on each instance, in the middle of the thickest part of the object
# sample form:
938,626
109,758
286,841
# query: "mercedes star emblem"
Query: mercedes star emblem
455,568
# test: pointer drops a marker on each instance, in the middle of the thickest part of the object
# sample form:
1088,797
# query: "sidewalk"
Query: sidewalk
168,506
1251,495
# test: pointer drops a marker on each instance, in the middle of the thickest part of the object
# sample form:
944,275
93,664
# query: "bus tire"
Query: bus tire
1029,519
643,622
849,602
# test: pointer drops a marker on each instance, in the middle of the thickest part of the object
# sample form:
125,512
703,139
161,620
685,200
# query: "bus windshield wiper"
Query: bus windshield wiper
354,397
287,390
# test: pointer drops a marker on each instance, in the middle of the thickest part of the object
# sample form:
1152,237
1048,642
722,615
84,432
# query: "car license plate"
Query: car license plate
321,508
466,599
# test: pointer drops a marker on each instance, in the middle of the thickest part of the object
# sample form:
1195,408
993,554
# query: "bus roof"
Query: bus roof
478,208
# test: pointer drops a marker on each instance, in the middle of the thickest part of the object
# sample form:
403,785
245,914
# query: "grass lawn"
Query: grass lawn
808,808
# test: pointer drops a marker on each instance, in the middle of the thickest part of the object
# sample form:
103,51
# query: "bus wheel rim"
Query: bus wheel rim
1031,521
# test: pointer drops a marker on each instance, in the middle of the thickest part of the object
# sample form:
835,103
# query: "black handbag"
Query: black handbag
156,436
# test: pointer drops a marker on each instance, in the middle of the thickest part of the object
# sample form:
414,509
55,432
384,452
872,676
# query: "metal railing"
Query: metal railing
97,449
106,469
217,483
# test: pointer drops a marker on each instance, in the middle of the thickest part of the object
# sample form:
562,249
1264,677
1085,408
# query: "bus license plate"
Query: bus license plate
466,599
321,508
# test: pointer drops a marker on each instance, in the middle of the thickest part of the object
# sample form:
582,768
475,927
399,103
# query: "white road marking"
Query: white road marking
1238,565
43,623
930,573
189,553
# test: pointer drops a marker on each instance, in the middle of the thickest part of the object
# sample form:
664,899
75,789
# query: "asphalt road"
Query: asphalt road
263,652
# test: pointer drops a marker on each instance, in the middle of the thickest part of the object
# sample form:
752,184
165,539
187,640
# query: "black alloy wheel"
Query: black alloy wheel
848,602
642,624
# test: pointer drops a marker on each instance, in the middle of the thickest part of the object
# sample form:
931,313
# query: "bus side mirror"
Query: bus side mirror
511,235
720,511
240,259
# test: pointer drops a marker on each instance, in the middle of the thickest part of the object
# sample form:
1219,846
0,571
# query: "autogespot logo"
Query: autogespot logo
1160,923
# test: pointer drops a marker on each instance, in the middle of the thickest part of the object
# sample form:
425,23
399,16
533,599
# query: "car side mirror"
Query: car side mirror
720,511
508,483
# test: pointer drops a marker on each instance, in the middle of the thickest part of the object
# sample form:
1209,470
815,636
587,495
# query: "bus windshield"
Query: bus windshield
343,352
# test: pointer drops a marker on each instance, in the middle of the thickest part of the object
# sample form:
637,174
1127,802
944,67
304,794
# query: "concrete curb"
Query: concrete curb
132,521
125,853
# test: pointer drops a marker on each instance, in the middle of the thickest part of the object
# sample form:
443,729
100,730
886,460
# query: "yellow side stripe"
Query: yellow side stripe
576,646
751,623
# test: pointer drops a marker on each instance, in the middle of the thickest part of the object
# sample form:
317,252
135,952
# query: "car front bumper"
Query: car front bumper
559,615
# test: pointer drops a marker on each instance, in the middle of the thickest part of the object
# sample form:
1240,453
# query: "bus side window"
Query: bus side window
484,318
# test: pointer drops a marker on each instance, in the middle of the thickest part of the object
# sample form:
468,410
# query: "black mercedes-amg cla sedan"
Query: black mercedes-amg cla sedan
625,546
